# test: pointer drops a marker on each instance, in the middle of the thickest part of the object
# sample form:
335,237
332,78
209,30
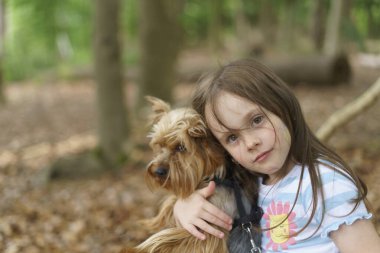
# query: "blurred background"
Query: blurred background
73,119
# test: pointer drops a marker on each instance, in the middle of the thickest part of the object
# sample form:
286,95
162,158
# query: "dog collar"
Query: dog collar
246,221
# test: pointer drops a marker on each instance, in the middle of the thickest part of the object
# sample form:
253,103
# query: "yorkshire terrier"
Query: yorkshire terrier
186,160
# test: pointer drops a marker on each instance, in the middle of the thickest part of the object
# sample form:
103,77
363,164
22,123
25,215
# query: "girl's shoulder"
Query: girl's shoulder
329,172
329,175
322,168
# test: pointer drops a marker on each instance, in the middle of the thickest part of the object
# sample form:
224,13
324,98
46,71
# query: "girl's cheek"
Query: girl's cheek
237,155
287,137
284,132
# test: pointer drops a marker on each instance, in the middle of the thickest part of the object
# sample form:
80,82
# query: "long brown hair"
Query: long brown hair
255,82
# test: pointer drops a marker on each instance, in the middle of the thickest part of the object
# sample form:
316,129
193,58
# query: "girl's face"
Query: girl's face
256,138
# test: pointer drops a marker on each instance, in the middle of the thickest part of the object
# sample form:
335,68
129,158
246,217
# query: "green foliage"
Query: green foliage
366,15
195,20
130,19
129,32
57,34
42,34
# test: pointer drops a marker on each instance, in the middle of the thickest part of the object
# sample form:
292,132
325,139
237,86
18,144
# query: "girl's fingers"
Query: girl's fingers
206,227
195,232
212,219
197,213
210,208
208,190
218,214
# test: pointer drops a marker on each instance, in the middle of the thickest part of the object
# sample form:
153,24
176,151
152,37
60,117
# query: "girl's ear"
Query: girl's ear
159,108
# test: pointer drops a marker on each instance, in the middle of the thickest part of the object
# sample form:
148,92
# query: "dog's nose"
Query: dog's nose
161,171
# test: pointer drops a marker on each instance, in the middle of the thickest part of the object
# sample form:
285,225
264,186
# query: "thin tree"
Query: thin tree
371,7
267,20
215,25
332,37
111,112
318,15
160,43
287,25
2,32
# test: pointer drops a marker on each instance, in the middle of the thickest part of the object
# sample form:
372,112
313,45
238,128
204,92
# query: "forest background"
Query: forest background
73,119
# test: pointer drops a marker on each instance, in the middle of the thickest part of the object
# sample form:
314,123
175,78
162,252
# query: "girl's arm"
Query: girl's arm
195,212
361,236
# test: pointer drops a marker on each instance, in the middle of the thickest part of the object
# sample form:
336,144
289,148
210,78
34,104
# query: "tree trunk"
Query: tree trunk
332,38
250,41
373,27
2,32
318,24
312,69
160,42
112,123
287,25
268,21
316,70
215,25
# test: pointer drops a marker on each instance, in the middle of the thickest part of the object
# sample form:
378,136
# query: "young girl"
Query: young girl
312,200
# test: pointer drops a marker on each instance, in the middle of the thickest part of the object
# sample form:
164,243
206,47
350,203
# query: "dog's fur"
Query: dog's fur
184,161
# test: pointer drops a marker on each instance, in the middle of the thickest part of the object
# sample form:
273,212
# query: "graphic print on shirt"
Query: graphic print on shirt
275,214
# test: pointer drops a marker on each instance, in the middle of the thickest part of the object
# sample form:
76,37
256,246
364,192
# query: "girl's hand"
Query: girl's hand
196,212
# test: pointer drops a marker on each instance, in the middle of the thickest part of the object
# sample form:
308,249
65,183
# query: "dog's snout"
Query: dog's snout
161,171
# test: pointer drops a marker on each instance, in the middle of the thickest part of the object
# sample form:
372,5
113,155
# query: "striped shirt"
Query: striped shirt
278,199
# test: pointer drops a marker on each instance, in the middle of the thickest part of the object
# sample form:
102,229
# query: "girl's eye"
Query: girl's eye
257,120
231,138
180,148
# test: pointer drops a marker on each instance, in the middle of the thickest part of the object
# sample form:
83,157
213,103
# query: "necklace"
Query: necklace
275,185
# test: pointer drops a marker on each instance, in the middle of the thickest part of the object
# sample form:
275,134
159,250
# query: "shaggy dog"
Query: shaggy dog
184,161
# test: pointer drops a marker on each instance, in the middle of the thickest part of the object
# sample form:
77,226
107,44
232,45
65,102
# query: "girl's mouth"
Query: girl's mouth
262,156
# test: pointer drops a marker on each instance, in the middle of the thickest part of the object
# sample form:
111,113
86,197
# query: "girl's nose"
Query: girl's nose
251,141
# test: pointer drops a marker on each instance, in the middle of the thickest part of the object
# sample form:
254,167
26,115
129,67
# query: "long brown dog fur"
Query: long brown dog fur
183,162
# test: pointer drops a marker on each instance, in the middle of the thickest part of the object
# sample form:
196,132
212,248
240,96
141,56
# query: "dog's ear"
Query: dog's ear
198,130
159,108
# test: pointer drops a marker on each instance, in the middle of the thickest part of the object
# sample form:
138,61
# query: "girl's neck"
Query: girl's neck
273,179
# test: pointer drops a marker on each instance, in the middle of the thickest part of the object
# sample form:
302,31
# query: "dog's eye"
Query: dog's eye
180,148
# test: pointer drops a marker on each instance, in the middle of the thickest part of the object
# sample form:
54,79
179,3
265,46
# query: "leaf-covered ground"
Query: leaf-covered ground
55,119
